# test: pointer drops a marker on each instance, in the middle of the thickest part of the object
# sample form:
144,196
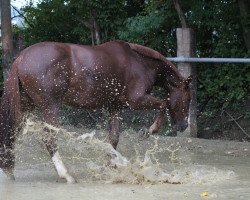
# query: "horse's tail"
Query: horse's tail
10,109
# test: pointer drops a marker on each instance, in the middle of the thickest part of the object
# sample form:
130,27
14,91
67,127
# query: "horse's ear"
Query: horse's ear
189,80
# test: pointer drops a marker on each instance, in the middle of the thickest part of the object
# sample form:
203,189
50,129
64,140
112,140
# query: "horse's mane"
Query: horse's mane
148,52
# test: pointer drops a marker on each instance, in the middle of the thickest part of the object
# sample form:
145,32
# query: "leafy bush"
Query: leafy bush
223,85
217,25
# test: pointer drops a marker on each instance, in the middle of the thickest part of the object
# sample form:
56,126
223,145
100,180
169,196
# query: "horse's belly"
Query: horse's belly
92,100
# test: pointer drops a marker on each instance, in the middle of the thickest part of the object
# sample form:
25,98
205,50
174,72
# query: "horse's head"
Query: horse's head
178,101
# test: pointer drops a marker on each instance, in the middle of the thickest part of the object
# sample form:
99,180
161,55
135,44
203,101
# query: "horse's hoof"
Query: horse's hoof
11,177
117,159
9,173
144,133
70,180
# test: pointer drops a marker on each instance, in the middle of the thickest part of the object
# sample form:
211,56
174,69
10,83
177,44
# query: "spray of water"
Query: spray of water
90,157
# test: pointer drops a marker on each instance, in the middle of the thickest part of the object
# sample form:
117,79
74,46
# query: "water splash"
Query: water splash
91,158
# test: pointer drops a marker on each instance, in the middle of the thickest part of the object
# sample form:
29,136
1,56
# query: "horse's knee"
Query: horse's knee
134,102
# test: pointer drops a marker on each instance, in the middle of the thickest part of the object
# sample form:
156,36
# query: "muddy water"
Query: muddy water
153,168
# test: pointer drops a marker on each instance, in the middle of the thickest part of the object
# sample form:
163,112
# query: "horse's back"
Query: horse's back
42,57
83,76
99,75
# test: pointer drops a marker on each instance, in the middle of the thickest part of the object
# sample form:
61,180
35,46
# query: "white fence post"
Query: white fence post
186,48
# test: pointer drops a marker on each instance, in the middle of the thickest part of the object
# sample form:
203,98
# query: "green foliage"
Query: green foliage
247,115
144,29
218,31
223,85
108,13
49,21
65,21
217,24
151,27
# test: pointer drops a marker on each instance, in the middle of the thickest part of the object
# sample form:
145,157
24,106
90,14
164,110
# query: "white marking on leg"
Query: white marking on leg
117,159
61,169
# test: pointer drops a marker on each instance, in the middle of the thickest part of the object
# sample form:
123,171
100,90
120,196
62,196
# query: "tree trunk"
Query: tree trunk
7,40
186,48
94,29
180,13
97,32
92,36
18,44
244,11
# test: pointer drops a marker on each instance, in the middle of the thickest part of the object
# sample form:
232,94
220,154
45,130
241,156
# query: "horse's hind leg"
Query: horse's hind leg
114,126
50,115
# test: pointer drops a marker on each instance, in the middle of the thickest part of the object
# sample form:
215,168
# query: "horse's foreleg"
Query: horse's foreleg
146,102
114,126
150,102
154,128
50,115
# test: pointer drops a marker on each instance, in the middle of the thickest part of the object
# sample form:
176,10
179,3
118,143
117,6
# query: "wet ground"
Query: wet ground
158,168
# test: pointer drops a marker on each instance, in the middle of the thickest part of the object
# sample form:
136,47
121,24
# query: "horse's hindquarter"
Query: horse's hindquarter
44,71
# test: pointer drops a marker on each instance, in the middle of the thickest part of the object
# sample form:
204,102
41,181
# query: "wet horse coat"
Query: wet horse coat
114,75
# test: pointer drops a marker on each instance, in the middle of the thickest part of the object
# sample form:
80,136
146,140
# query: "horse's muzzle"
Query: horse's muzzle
181,126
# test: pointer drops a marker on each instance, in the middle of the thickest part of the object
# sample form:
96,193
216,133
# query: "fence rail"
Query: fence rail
209,60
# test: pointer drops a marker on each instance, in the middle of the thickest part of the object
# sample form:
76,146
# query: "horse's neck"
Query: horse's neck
172,76
166,75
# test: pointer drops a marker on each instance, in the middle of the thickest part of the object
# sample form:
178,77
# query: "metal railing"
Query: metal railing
210,60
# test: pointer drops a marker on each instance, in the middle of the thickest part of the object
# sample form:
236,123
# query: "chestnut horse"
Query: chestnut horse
114,76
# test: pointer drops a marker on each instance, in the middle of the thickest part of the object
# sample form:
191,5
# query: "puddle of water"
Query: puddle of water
144,167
